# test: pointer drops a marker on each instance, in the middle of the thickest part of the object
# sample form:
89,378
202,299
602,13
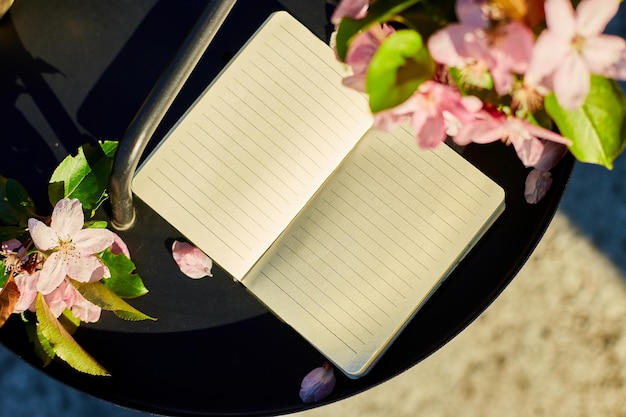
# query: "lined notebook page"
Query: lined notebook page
256,146
369,249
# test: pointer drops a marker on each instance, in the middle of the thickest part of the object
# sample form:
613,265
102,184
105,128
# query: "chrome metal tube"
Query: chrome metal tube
151,113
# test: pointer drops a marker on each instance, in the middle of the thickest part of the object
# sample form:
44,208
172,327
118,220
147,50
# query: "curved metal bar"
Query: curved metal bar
154,108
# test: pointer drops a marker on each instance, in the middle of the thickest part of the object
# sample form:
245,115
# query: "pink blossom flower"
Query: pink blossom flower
573,47
14,254
525,137
355,9
84,309
72,247
434,110
450,45
67,296
473,47
361,51
64,296
61,298
27,285
192,261
317,384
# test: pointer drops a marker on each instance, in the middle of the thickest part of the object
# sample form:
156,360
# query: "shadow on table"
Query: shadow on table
27,155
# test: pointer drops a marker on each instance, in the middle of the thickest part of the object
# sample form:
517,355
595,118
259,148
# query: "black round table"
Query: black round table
74,72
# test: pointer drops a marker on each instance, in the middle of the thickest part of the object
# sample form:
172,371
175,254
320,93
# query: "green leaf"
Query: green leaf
123,281
62,343
43,349
597,129
16,206
4,275
96,224
84,176
399,66
381,11
69,321
480,86
100,295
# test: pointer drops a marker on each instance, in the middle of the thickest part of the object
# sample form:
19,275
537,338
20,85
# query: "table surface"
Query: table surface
75,72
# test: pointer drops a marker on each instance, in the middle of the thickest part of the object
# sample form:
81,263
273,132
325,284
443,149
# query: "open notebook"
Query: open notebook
341,230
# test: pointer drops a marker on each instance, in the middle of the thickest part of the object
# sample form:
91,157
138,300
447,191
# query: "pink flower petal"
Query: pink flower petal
317,384
553,152
430,130
481,131
529,150
548,54
560,18
503,79
11,245
61,298
84,268
360,54
515,49
592,16
446,46
192,261
572,81
472,12
83,309
542,132
67,217
355,9
390,119
459,112
472,104
72,247
90,241
27,284
537,185
43,236
603,55
67,296
356,82
52,274
119,246
477,47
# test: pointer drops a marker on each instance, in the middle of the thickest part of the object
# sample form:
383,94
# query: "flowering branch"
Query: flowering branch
59,270
480,71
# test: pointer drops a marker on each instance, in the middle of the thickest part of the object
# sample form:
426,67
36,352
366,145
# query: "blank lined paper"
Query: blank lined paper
341,230
256,146
377,239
